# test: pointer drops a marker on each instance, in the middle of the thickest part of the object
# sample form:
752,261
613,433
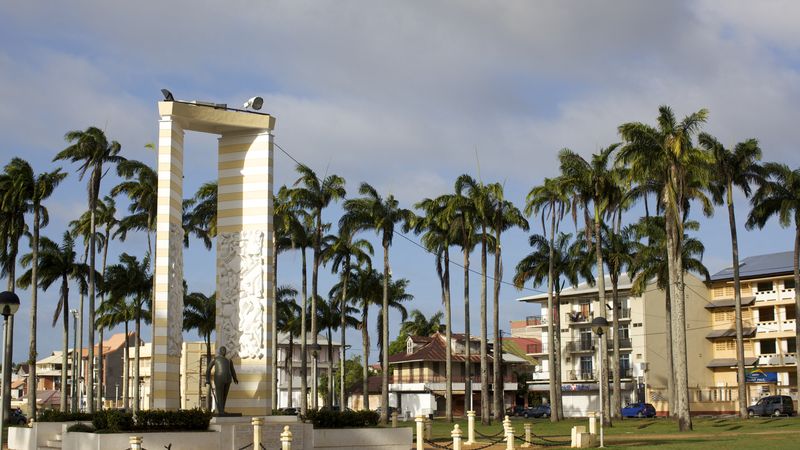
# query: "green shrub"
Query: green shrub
342,419
80,428
52,415
113,421
183,420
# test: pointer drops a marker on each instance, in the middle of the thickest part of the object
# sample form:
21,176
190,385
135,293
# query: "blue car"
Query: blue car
639,410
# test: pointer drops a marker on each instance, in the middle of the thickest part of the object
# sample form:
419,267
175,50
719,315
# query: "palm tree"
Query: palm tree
438,235
106,217
373,212
330,318
397,295
737,167
594,182
57,263
131,281
31,190
779,195
288,321
551,200
113,312
91,149
314,196
460,213
283,220
340,250
478,194
300,235
503,215
200,313
421,325
666,153
200,214
141,188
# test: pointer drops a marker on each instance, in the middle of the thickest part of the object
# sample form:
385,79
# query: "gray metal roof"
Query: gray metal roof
746,332
730,303
759,265
730,362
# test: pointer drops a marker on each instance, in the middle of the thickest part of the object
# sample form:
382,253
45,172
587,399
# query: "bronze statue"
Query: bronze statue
224,373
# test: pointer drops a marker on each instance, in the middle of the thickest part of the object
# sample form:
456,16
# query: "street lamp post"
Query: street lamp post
9,304
599,326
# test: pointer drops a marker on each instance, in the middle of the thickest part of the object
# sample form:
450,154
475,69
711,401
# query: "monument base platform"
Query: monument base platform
237,431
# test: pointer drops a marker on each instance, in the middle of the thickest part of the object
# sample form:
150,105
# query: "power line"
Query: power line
414,242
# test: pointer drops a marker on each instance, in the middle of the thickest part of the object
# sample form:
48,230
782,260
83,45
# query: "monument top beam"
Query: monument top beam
207,119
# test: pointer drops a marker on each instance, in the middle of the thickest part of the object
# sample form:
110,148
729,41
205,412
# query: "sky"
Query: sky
403,95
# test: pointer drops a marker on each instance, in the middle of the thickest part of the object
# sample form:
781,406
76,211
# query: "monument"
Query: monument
244,237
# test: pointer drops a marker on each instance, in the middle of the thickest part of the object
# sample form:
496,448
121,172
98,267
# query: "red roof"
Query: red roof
435,350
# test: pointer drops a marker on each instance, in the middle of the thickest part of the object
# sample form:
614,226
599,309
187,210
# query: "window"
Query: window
623,332
766,314
788,284
625,366
724,316
768,346
791,345
790,312
586,365
764,286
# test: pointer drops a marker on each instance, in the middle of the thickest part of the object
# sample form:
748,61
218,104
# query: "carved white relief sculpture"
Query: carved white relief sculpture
241,302
175,298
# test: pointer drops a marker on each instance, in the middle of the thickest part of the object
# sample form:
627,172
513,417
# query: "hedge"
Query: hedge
113,421
52,415
342,419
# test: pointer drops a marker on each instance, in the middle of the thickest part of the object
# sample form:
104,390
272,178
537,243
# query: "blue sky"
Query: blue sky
403,95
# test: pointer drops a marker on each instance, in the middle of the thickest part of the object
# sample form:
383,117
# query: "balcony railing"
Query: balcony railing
535,320
776,359
442,379
623,343
578,317
624,313
580,346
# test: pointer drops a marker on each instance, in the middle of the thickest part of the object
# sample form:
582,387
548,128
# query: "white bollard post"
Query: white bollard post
257,423
506,425
394,419
286,439
510,437
428,428
135,442
420,432
470,427
456,435
592,423
528,436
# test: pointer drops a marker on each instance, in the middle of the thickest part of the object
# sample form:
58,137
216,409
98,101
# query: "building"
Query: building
417,379
643,348
768,325
328,357
527,328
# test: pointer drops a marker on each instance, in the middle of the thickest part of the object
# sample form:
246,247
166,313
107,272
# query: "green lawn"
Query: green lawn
710,433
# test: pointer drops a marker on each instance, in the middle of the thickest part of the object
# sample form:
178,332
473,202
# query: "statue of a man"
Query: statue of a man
224,373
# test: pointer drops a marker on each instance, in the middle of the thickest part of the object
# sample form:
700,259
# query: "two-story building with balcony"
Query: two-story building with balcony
642,336
418,380
768,325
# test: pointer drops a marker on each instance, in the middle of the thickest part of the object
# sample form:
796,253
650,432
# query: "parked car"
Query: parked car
773,405
515,410
537,411
639,410
17,418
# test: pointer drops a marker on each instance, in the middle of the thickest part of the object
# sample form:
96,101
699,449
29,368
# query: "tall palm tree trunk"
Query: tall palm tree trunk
126,393
89,377
12,276
797,294
385,335
557,408
100,360
448,352
365,367
343,329
65,338
314,326
499,391
737,298
208,363
616,392
289,370
552,340
304,341
601,295
670,354
79,372
330,368
34,294
136,370
678,320
485,405
467,338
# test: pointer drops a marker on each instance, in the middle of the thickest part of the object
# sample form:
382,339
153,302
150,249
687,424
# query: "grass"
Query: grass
708,433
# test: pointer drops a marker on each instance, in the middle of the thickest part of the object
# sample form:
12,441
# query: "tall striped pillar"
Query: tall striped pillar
168,301
244,266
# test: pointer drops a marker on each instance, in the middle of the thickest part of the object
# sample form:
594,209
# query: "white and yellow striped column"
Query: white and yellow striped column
244,265
168,301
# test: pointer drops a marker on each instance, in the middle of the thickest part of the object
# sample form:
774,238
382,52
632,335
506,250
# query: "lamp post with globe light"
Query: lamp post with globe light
599,326
9,304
